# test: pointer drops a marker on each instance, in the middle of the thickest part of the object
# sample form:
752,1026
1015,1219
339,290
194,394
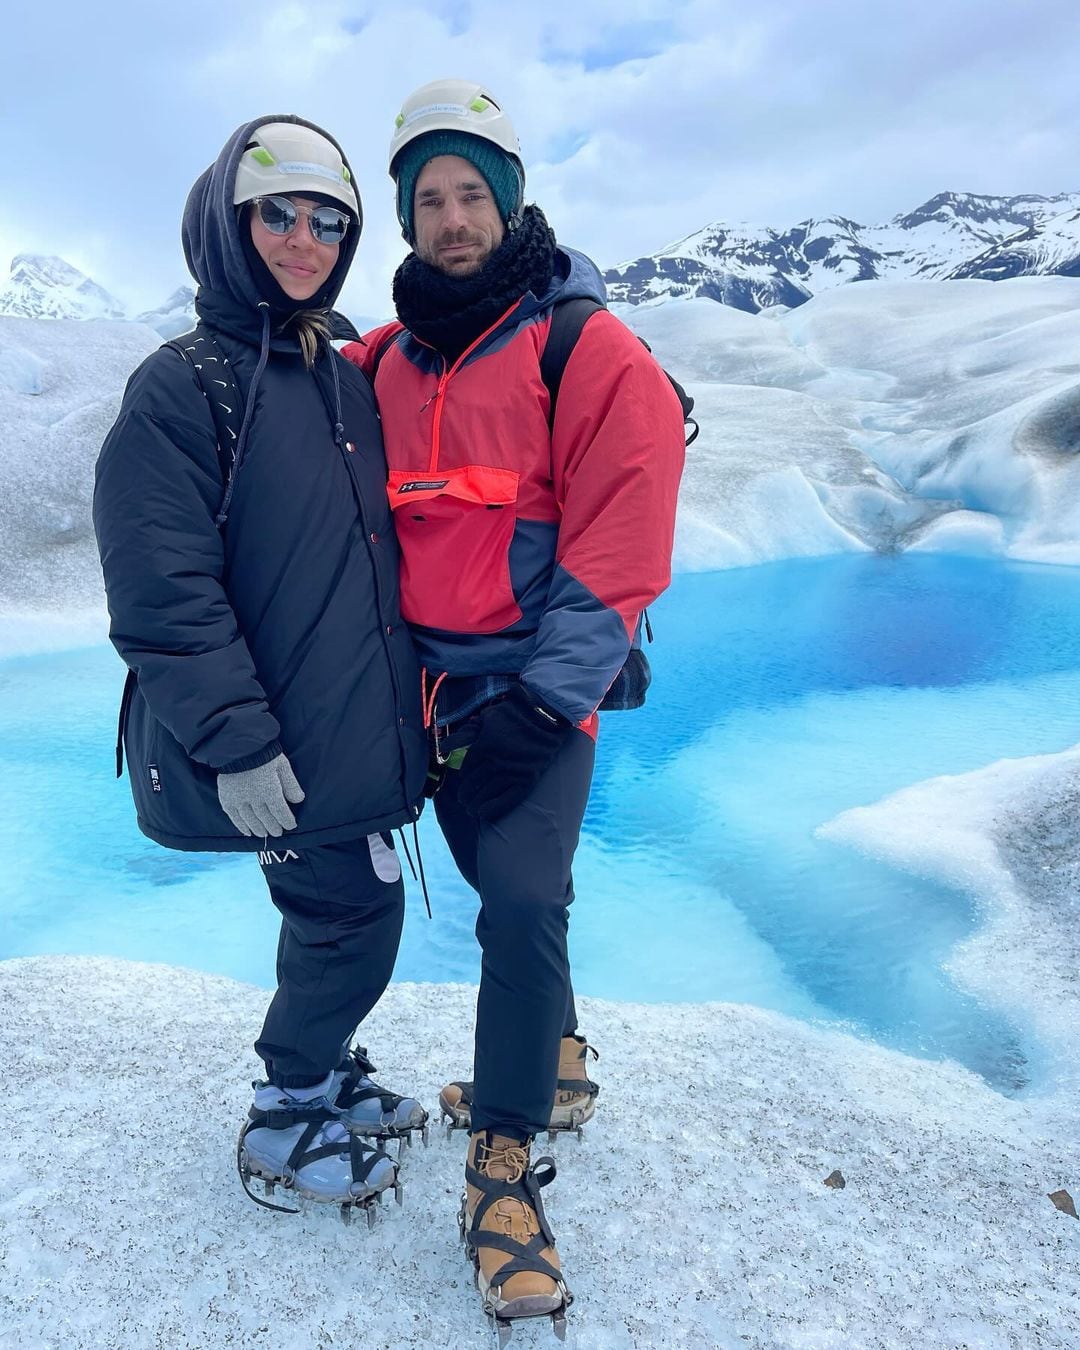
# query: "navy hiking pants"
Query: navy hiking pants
342,907
520,866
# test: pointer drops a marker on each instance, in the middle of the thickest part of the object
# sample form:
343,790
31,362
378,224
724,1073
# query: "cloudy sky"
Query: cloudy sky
640,120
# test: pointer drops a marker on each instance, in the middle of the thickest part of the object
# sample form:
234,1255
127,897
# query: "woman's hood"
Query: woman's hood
211,230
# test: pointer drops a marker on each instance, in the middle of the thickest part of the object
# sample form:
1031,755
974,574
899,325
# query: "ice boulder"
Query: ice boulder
60,388
937,415
777,470
21,371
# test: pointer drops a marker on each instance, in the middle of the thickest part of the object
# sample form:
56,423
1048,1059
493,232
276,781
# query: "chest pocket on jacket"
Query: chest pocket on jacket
455,527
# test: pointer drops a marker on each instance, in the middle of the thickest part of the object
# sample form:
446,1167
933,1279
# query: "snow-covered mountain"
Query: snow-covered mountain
1052,250
175,316
49,288
952,236
45,287
42,287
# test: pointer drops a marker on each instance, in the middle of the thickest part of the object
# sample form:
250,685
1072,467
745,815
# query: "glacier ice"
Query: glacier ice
901,404
60,387
943,1237
21,371
883,416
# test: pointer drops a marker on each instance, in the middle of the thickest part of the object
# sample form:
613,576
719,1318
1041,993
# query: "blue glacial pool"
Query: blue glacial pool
783,695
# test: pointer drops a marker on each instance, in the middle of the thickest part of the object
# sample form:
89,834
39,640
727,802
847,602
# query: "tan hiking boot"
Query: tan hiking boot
575,1093
506,1232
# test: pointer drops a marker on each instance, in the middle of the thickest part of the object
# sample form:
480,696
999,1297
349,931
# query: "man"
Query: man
529,551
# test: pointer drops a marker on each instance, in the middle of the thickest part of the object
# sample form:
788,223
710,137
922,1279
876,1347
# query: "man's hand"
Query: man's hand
517,741
257,800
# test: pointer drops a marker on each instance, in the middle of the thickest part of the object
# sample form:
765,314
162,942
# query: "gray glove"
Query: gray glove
257,800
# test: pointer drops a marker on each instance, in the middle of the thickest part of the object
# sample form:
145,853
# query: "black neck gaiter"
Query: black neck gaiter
450,313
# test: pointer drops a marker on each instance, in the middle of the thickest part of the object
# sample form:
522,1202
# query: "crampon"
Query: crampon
372,1111
303,1148
507,1236
575,1095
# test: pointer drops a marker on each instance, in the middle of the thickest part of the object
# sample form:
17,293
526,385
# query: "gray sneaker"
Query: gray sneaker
369,1110
305,1148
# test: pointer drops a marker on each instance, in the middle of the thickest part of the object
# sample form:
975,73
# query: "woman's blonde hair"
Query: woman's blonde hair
312,327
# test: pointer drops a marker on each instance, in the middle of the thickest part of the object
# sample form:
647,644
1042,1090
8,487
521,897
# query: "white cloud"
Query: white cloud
640,120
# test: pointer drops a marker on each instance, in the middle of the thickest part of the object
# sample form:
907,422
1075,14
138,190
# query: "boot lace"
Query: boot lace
514,1157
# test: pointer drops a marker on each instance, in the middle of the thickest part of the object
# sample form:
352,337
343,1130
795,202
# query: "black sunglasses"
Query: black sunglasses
328,224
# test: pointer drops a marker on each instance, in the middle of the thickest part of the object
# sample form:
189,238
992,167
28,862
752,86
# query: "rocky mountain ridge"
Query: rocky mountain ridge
949,237
953,236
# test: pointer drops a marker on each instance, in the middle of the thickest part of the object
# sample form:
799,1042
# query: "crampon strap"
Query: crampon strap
362,1157
525,1257
585,1083
351,1093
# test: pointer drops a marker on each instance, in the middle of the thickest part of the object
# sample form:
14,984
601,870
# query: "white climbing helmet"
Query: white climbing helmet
454,105
288,157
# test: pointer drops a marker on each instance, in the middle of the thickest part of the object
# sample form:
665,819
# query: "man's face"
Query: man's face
456,221
297,261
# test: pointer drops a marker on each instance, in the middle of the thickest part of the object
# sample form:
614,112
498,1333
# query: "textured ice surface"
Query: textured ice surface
871,414
694,1215
60,387
882,416
1009,835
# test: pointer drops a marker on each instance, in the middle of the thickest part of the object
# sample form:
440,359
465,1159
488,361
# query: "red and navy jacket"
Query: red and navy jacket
529,549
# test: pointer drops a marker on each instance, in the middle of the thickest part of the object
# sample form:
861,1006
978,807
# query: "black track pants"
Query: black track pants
521,868
341,908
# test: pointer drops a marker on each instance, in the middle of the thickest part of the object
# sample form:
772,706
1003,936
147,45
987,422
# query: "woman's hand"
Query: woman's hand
257,800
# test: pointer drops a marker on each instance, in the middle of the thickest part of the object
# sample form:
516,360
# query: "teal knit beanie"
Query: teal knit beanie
500,171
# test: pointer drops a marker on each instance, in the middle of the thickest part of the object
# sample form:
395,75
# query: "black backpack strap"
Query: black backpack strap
218,384
686,401
380,351
567,320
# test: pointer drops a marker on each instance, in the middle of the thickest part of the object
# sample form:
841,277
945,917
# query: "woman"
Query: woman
275,704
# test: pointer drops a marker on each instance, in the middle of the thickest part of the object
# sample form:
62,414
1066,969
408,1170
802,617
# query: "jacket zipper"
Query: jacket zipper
385,628
444,378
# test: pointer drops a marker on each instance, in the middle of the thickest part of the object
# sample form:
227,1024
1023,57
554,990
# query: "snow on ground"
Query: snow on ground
694,1215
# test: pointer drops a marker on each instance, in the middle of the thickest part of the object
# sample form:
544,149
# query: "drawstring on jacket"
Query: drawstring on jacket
249,410
339,426
412,866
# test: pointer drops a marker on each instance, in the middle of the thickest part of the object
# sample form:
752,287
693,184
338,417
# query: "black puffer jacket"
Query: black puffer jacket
282,631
